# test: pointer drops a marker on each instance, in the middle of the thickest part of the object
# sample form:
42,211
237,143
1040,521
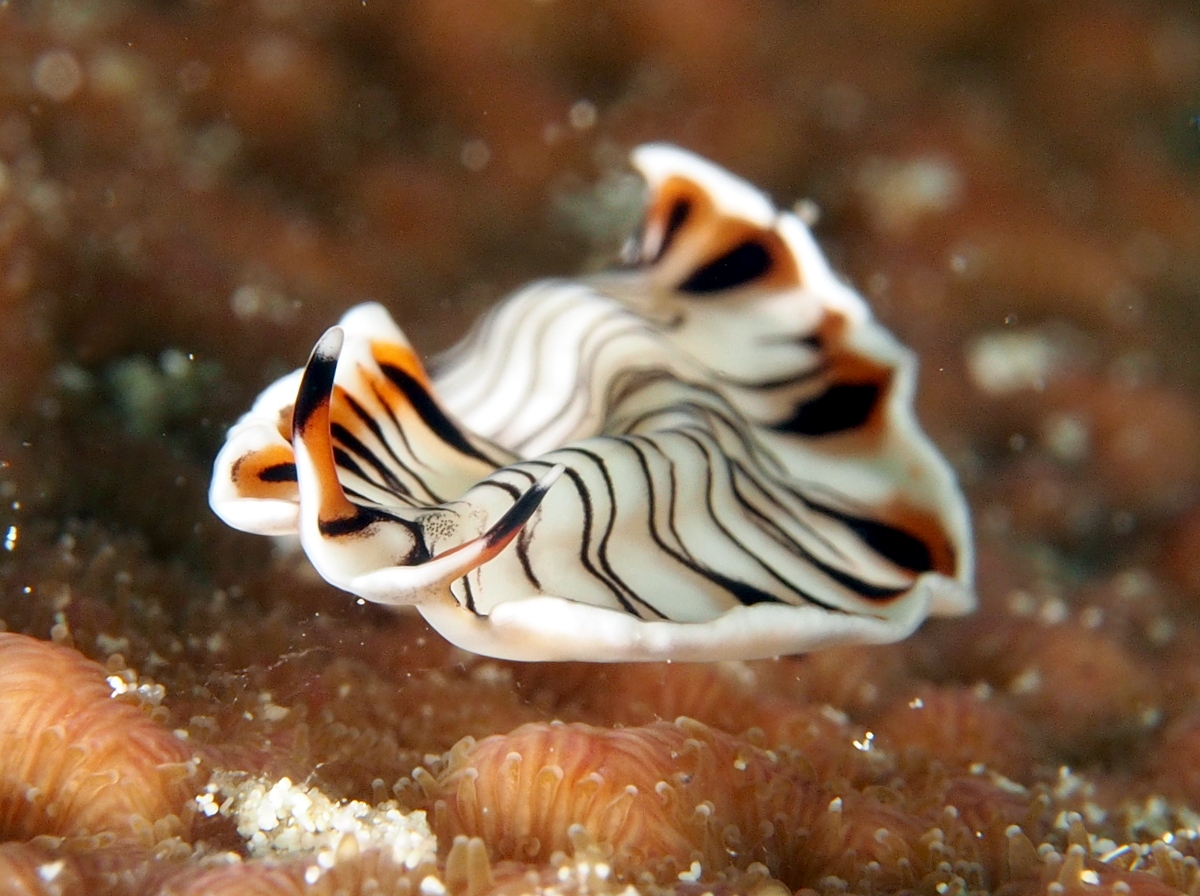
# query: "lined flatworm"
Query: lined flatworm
707,453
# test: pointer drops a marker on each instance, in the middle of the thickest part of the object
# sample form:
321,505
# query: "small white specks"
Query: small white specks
491,673
10,539
1096,816
1027,681
1053,611
1160,630
899,192
251,301
739,764
207,805
916,703
835,715
216,643
475,155
1088,876
282,818
1134,584
1091,617
57,75
118,685
692,874
1021,603
1067,436
312,874
1003,363
835,804
582,115
51,870
176,363
867,742
431,886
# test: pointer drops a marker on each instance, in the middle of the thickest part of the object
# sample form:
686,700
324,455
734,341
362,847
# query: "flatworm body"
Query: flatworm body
710,453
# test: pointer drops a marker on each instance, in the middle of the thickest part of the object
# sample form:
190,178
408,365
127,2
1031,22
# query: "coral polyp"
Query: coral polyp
75,761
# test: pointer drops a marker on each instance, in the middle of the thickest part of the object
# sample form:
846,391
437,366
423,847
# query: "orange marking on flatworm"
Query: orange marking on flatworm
403,357
705,226
252,479
319,442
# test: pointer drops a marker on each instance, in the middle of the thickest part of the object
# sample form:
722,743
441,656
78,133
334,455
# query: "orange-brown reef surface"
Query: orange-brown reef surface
190,190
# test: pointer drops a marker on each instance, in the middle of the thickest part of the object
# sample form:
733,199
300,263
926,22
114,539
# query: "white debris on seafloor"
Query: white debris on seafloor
279,818
900,191
123,680
1003,363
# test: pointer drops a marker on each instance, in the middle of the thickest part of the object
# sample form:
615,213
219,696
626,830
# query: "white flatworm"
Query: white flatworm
709,453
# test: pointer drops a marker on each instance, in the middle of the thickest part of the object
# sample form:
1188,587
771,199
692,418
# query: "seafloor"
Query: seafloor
190,190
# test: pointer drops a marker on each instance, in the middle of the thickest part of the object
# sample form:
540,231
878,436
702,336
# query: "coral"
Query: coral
349,871
961,727
1082,689
661,797
25,869
221,179
76,760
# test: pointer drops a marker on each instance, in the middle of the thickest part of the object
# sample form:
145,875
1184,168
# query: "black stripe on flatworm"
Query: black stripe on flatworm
740,265
745,593
837,409
903,549
390,481
278,473
317,382
680,209
429,412
364,518
517,515
351,525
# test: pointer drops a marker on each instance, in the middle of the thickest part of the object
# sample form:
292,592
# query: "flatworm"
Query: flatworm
709,453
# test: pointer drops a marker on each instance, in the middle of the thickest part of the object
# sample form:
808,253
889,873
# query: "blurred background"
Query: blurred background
191,191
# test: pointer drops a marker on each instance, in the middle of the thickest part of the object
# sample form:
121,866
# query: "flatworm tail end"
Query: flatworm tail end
405,584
